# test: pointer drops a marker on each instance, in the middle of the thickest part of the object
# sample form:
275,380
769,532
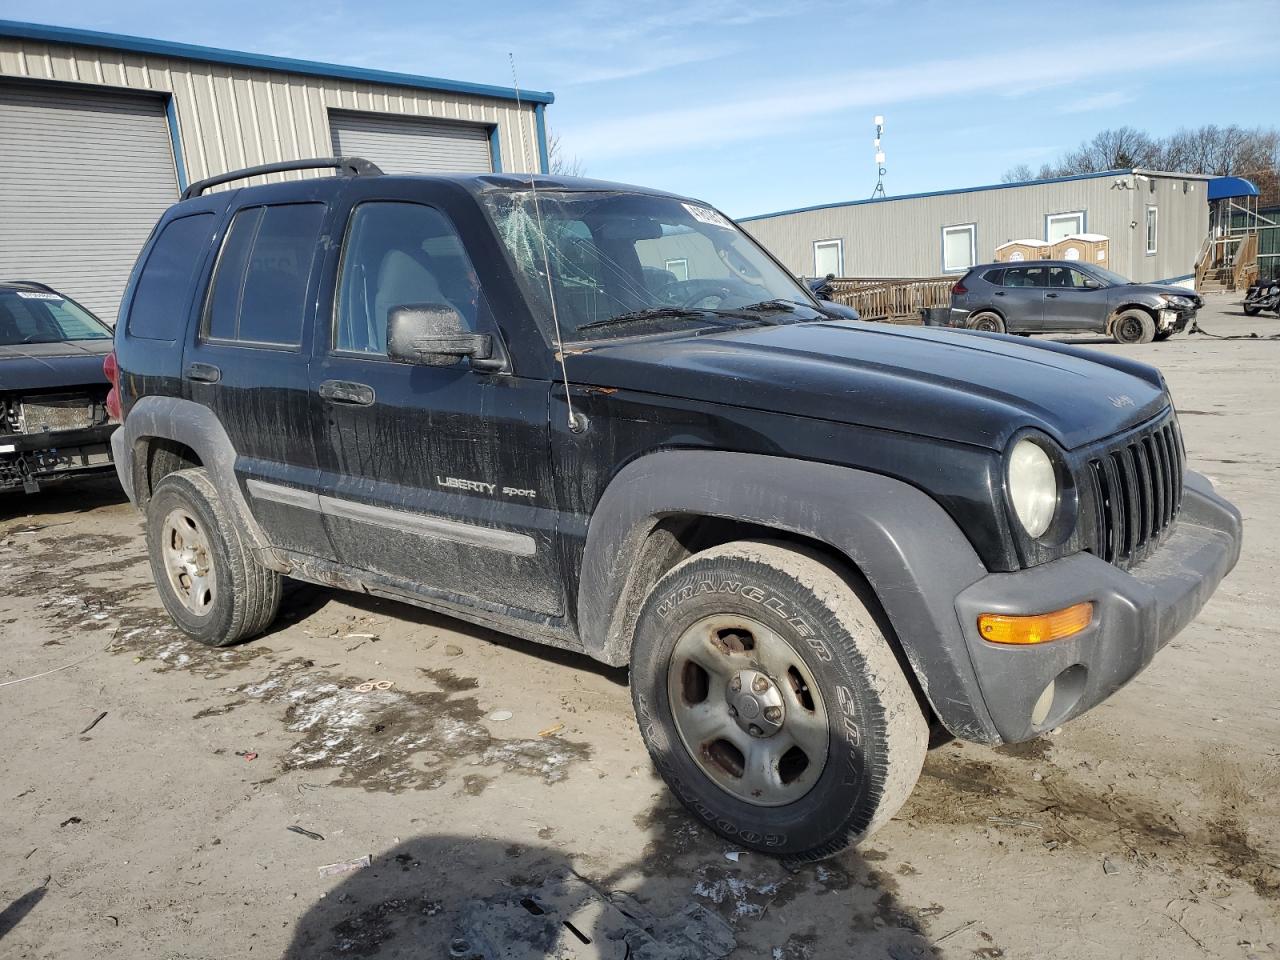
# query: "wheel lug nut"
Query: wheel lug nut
733,711
759,684
735,684
754,730
772,714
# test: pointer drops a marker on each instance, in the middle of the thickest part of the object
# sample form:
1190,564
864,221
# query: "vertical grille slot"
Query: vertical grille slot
1137,490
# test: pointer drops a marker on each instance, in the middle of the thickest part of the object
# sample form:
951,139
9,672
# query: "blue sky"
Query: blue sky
758,107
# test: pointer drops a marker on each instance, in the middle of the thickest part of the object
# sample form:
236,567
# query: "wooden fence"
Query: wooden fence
894,299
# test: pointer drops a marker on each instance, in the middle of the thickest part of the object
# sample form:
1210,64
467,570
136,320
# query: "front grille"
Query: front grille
1137,491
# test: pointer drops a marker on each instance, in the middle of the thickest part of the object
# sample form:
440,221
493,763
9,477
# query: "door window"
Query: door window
398,253
1066,278
1024,277
259,291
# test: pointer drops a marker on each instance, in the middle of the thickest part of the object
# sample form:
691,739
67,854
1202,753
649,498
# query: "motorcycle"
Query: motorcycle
823,291
1262,295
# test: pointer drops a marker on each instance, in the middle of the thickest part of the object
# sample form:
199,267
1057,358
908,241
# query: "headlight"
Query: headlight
1033,486
1175,301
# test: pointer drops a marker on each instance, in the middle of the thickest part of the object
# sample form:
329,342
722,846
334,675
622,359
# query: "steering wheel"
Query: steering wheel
692,293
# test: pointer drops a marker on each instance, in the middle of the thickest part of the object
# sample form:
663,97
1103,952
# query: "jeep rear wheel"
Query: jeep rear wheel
987,322
772,703
1134,326
207,578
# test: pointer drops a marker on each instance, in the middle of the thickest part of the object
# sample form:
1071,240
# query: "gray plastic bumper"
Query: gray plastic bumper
1136,613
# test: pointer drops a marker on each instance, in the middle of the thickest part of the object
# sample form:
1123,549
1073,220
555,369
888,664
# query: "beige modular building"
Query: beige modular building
1155,223
101,132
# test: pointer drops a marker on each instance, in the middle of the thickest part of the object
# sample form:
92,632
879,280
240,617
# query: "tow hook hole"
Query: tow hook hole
800,689
734,640
577,933
532,906
792,764
694,683
728,757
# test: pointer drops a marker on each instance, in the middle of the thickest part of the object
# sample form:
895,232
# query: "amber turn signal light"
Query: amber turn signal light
1037,628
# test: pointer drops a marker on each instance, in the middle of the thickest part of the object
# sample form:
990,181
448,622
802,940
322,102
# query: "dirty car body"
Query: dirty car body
1060,296
53,418
575,414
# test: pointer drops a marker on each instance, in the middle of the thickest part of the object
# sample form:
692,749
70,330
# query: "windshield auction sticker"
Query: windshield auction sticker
707,215
28,295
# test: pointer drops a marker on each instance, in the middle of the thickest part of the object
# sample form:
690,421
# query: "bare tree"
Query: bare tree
562,164
1017,174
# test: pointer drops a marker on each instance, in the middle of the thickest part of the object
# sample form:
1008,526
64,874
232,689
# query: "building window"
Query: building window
679,268
828,258
1059,226
959,246
1153,217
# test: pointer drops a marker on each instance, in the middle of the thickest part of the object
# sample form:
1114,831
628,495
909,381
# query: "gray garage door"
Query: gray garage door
411,144
84,177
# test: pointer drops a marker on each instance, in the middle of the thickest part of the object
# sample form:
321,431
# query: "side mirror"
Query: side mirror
1091,284
434,334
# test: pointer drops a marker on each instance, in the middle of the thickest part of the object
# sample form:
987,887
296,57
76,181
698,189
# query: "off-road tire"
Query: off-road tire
877,733
1133,326
246,597
987,322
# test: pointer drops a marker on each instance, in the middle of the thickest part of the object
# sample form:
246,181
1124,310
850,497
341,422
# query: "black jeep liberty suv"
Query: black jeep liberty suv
603,418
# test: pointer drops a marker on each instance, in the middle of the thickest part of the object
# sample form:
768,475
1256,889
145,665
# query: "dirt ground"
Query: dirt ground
1148,828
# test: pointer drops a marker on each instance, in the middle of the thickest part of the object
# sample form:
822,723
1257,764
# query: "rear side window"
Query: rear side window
259,288
159,308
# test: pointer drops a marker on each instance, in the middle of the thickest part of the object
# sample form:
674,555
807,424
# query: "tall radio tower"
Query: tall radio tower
880,170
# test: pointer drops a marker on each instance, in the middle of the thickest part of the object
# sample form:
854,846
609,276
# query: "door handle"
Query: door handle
346,392
203,372
1050,296
999,293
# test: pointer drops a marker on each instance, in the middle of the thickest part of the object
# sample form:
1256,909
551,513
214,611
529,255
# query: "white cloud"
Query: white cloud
1099,101
779,107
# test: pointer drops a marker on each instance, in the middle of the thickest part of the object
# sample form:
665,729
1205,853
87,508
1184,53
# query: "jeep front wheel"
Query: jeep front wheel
208,580
772,703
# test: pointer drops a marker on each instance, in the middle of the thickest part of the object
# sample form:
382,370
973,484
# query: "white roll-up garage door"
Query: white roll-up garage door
411,144
85,175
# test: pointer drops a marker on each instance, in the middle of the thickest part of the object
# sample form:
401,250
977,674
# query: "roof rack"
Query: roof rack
347,166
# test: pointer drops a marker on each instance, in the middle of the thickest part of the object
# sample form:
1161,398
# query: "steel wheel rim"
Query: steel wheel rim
188,561
782,762
986,325
1130,329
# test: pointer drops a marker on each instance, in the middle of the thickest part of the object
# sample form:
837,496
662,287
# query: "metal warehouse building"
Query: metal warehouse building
1156,224
101,132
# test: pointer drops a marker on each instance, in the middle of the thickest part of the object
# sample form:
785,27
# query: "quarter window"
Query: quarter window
396,254
1153,216
163,294
959,247
828,258
259,291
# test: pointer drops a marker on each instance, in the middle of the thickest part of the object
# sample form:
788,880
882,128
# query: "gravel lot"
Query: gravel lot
1149,828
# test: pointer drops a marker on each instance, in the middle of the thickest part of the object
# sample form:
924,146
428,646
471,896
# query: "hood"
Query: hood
44,366
963,387
1154,289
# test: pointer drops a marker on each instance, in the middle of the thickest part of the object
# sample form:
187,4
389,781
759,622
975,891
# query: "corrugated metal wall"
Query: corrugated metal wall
903,237
232,117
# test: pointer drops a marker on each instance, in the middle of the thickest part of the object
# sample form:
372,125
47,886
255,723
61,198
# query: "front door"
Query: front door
1022,298
436,478
248,360
1071,304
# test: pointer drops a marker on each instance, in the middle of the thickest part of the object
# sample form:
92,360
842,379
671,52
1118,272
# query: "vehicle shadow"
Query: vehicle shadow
73,496
419,898
12,915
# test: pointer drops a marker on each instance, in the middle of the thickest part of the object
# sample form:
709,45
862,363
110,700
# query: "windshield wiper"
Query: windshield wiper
673,313
763,305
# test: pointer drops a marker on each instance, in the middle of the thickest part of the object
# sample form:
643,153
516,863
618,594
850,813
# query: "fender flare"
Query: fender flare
196,426
910,551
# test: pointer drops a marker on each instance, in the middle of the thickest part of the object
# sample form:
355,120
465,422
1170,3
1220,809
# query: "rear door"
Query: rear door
248,359
1071,305
1020,297
435,478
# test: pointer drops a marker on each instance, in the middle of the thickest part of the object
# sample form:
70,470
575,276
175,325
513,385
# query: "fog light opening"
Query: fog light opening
1060,698
1040,712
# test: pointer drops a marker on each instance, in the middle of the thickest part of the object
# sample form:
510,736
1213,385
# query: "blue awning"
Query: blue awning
1222,188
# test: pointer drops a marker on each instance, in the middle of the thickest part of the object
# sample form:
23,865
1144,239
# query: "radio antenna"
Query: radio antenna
577,422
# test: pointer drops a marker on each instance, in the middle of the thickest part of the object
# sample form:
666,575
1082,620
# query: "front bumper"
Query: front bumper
29,459
1174,321
1136,613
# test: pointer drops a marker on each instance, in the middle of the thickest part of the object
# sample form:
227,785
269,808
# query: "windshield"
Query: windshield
623,264
33,316
1107,276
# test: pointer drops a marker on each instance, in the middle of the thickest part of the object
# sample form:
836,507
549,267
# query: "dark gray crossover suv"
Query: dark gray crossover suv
1060,296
